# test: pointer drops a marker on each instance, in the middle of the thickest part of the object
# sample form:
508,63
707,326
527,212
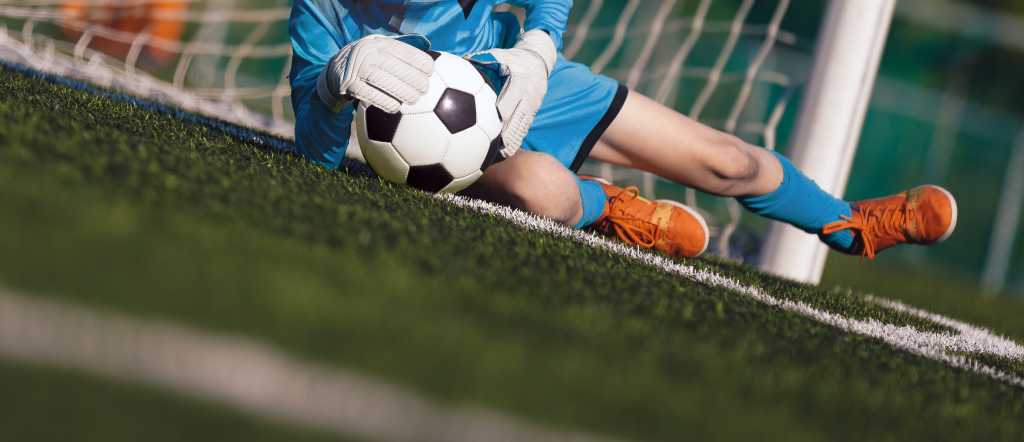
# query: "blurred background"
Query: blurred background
947,109
947,106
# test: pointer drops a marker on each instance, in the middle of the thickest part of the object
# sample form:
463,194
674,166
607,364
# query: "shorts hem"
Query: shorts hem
602,125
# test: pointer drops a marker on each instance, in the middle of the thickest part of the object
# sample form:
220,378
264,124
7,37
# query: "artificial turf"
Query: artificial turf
111,204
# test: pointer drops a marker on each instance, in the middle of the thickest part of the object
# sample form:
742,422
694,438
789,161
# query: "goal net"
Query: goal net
220,58
728,64
737,65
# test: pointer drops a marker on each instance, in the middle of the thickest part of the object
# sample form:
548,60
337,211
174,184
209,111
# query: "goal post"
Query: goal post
1005,226
829,122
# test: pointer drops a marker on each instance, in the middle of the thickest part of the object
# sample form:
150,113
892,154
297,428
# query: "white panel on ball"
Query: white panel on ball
487,117
427,102
386,162
459,184
458,73
466,152
421,139
381,156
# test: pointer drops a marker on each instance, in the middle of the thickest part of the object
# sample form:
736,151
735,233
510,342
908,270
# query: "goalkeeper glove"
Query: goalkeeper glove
381,71
526,67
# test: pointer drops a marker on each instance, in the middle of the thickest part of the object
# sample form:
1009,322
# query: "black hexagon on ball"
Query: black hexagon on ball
457,110
380,125
430,178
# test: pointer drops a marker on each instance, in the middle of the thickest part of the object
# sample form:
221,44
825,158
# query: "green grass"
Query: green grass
111,205
950,296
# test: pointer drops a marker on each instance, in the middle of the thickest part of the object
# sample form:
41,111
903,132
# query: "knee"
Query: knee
734,162
539,184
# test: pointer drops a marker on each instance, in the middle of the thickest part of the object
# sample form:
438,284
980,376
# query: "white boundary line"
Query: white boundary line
243,374
947,348
259,380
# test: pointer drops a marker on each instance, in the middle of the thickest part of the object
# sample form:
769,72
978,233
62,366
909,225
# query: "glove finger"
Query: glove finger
395,86
517,129
511,98
520,96
512,144
413,57
405,72
375,97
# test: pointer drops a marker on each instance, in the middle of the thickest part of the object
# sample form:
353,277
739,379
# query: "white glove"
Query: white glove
382,71
527,66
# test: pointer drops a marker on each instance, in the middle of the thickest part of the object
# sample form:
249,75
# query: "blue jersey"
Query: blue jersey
320,28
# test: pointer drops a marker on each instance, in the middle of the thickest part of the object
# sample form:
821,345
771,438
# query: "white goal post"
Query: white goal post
830,120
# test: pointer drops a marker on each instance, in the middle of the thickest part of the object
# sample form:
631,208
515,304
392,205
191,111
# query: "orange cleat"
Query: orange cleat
922,215
663,225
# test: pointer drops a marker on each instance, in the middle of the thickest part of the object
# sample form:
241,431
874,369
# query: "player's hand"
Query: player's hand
382,71
527,67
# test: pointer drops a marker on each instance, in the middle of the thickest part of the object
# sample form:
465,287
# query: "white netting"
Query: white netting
727,63
204,71
738,89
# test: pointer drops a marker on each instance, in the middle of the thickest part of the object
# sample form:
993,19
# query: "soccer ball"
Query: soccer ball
445,140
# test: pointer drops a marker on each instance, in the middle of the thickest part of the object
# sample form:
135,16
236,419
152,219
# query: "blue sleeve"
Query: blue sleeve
320,135
548,15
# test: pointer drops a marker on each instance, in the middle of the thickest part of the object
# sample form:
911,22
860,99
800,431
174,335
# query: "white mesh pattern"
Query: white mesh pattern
649,45
666,71
30,34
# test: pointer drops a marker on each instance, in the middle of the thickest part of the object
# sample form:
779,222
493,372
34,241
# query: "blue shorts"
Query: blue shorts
577,109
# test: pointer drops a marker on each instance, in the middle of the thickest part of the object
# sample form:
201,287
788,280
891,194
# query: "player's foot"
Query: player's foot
663,225
922,215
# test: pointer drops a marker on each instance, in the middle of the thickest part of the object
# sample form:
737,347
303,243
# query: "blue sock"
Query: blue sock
800,202
594,200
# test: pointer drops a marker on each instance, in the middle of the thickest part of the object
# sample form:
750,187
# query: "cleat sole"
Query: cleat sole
952,204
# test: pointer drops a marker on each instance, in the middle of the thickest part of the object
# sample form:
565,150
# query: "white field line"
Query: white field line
942,347
242,374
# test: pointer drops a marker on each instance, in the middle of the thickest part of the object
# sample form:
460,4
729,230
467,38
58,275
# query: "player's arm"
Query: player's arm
329,73
321,134
527,67
550,16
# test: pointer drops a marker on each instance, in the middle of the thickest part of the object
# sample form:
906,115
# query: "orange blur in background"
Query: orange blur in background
163,20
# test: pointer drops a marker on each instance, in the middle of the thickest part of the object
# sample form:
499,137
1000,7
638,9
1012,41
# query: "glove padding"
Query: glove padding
527,67
381,71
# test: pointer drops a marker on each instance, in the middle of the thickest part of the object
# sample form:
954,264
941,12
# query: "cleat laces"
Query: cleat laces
629,228
876,224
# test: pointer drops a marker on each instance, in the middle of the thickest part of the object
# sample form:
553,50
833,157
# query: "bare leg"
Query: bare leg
656,139
534,182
